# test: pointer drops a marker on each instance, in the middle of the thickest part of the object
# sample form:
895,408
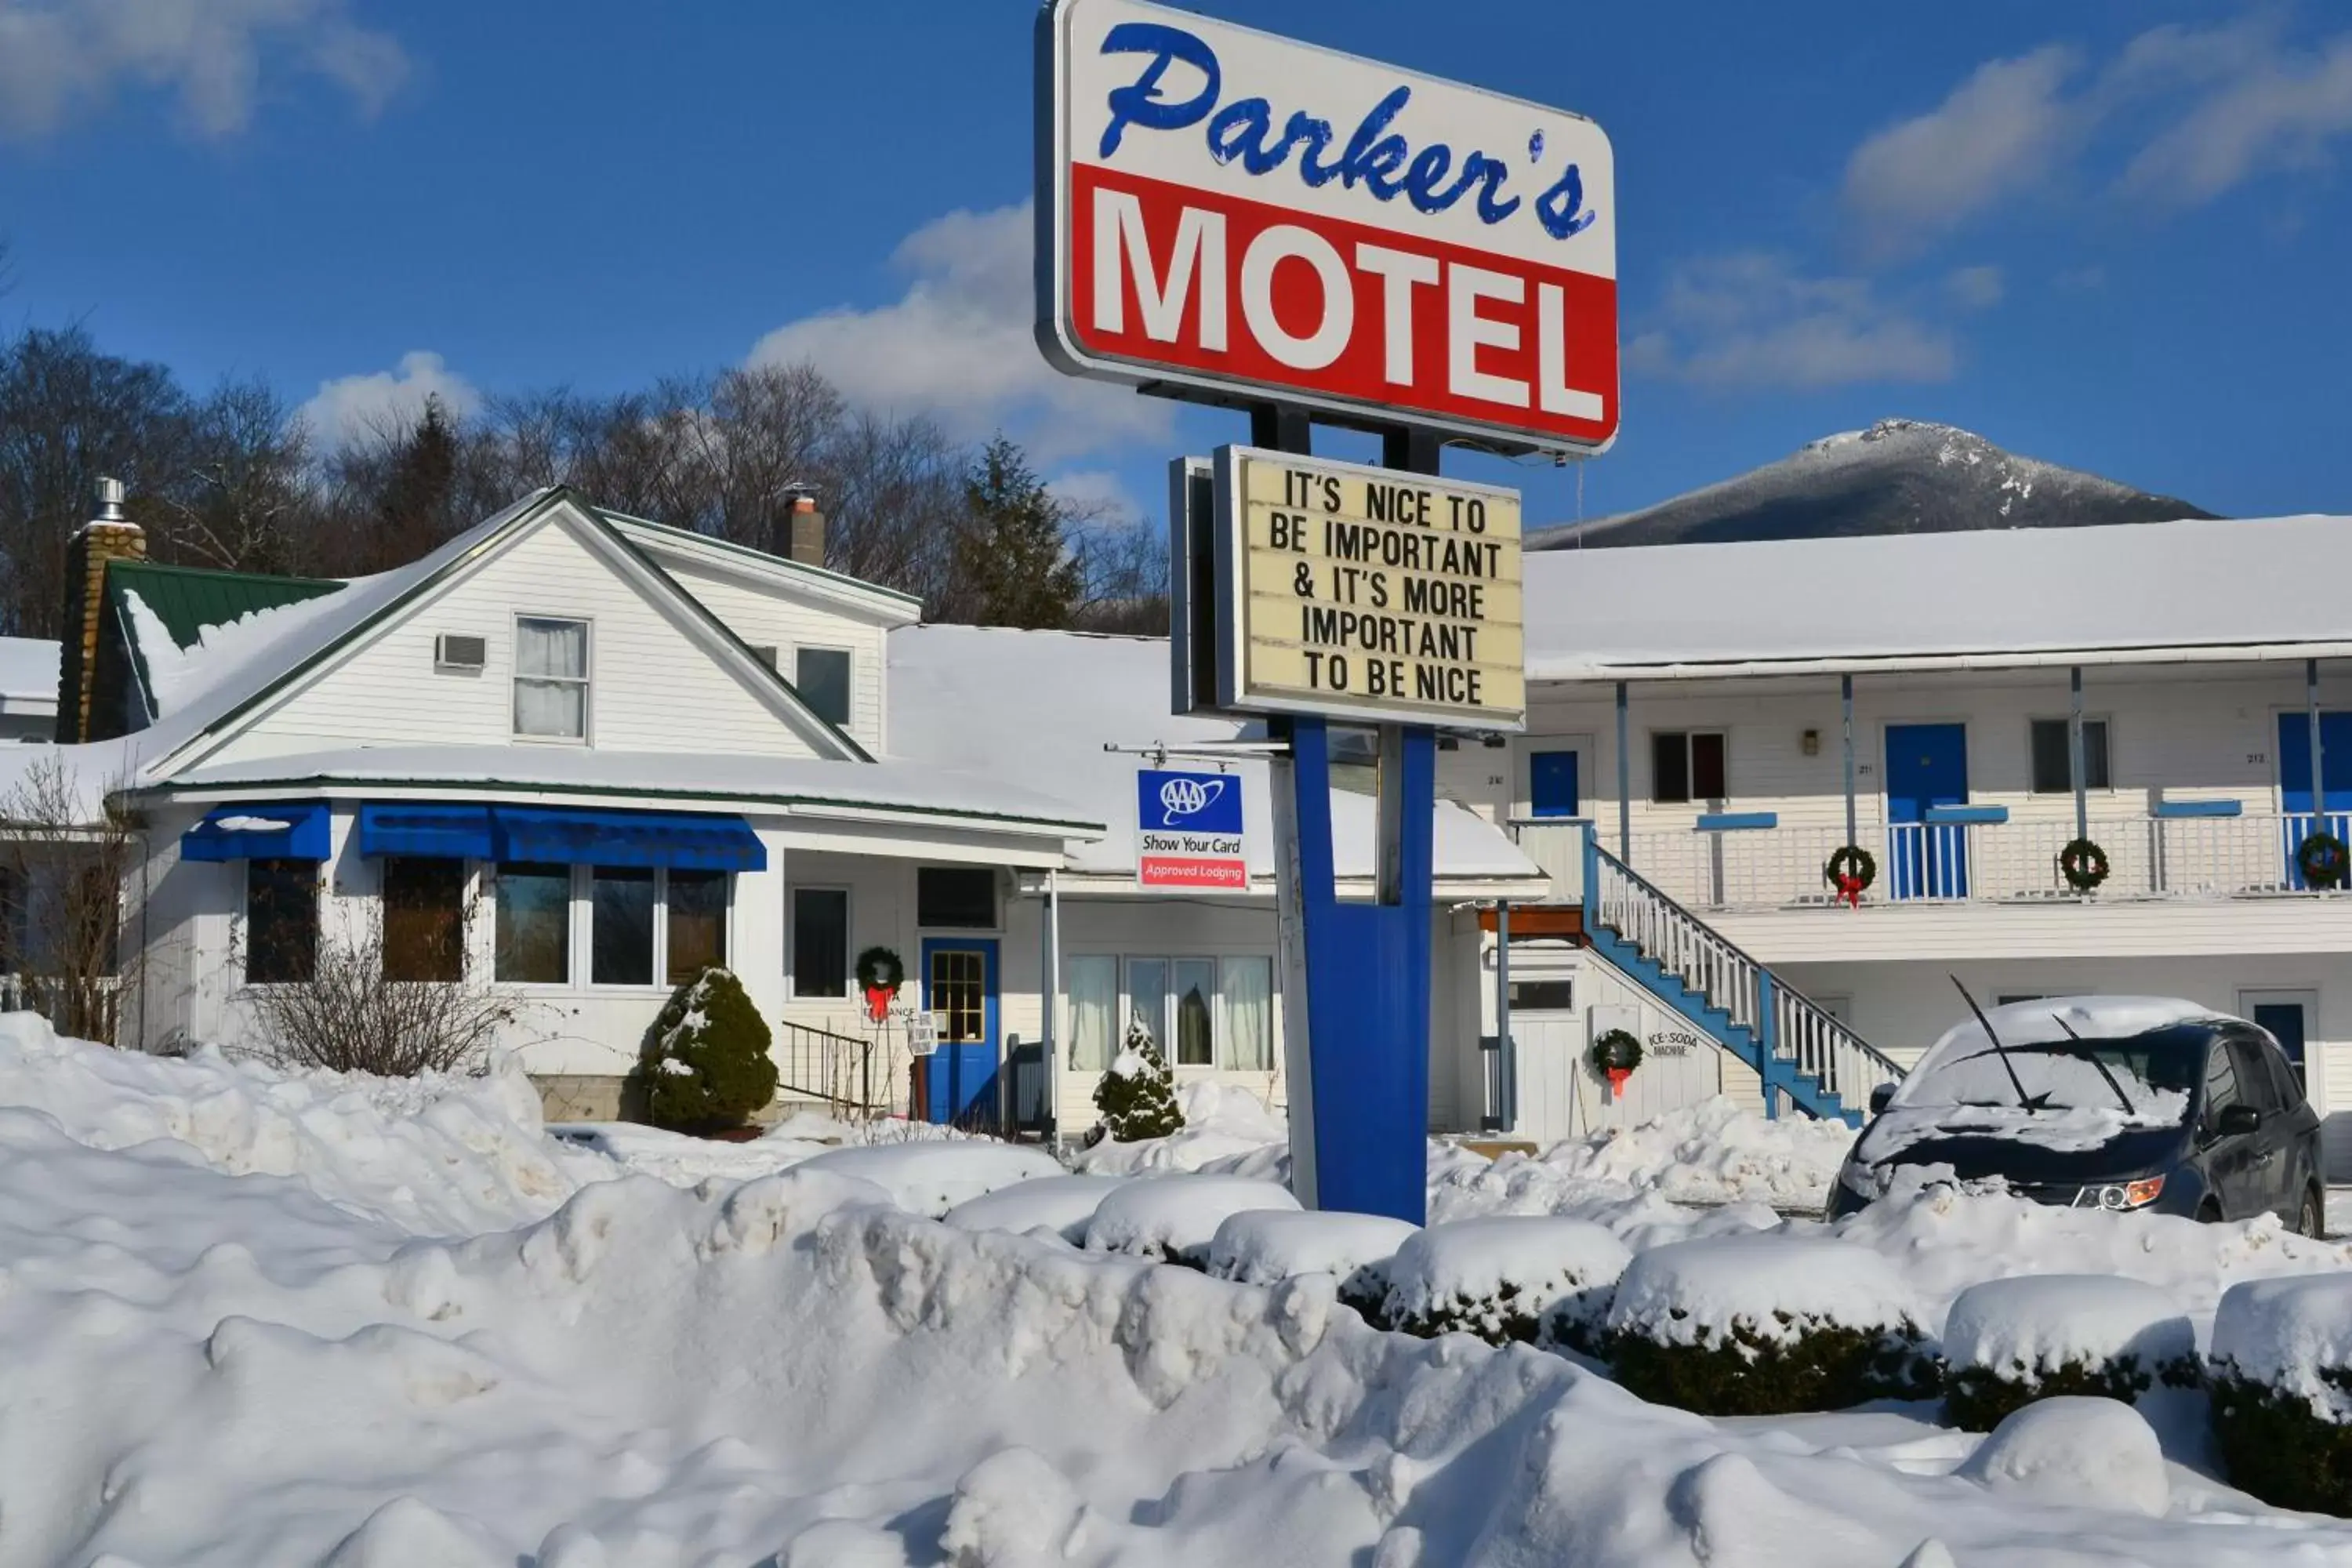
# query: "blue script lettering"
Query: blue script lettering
1374,157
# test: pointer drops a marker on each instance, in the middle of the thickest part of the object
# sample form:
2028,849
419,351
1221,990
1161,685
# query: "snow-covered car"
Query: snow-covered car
2113,1102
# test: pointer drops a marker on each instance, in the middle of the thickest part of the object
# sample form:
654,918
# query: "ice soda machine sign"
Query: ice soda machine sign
1233,212
1189,831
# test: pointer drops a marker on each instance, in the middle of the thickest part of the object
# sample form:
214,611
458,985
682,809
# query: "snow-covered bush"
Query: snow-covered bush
1265,1246
1063,1205
1175,1218
1137,1096
1524,1277
933,1177
2076,1452
1766,1323
2008,1343
2282,1386
705,1065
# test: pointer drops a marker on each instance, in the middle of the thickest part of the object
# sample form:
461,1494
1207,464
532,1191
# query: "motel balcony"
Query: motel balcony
2185,877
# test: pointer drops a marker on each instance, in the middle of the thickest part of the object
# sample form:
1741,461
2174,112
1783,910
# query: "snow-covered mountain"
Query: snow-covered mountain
1900,475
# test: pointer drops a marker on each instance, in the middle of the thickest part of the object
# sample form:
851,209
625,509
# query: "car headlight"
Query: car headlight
2123,1196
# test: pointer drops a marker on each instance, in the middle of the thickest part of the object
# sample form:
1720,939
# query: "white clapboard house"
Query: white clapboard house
1710,723
576,756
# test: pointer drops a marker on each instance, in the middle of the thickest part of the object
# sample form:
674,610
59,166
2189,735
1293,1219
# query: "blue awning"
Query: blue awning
272,832
687,840
436,831
561,834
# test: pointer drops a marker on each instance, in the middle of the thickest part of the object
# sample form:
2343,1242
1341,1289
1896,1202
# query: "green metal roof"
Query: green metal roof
188,599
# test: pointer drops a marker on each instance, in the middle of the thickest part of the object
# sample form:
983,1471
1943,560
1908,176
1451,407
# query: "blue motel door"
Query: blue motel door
1927,766
960,994
2295,781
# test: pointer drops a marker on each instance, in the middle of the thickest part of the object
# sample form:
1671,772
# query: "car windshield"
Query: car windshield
2149,1079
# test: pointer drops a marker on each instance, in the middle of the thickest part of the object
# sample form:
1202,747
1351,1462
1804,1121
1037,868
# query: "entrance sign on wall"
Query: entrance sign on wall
1366,594
1188,832
1245,217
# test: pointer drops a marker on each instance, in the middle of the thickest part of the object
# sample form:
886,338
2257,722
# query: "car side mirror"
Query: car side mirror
1881,1096
2237,1119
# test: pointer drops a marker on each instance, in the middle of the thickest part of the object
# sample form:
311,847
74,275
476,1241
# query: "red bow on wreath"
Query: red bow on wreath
1849,888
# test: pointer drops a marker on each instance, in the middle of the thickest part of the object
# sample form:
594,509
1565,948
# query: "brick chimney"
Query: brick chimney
808,532
108,536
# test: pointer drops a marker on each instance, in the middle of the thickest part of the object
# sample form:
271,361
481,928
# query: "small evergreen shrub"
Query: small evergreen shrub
2281,1381
1506,1278
1138,1096
2008,1342
1808,1365
705,1065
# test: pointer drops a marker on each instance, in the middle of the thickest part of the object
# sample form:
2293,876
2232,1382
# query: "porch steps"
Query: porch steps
1824,1067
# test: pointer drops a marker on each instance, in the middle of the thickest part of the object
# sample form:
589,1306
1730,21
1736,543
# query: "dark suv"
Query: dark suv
2122,1103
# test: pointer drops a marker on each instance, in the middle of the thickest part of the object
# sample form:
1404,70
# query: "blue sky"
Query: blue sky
2108,233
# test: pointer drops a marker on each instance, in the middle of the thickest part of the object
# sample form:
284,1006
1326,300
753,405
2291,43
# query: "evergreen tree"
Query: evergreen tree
1013,560
1138,1096
705,1065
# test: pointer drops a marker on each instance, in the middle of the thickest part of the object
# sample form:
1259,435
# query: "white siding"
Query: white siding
771,617
654,687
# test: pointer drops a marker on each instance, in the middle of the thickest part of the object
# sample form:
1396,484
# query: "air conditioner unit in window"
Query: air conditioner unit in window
452,652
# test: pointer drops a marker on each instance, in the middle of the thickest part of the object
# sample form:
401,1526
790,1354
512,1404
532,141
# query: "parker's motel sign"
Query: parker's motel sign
1242,218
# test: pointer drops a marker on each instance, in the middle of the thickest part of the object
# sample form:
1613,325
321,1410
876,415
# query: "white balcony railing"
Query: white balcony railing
2149,857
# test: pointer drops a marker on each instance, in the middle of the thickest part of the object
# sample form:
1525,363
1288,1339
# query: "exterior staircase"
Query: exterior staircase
1822,1067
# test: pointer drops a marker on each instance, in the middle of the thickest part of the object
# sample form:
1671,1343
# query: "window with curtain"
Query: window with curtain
1196,1012
820,674
621,925
2054,756
1249,1014
281,921
423,919
1147,999
534,924
697,923
820,941
551,697
1093,983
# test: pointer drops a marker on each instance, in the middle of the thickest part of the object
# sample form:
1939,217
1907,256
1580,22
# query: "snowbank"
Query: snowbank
1714,1152
440,1154
930,1178
1176,1217
1225,1127
2079,1453
1063,1205
680,1159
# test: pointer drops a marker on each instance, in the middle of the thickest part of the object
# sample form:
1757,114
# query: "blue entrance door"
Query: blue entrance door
1927,766
960,994
2295,781
1551,784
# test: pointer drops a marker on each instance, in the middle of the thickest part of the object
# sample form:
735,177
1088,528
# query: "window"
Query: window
2220,1086
1543,995
1686,766
1249,1014
1094,1010
960,897
13,921
281,921
956,992
534,924
551,697
820,941
697,923
1196,1004
2054,762
820,674
621,925
423,919
1147,999
2254,1075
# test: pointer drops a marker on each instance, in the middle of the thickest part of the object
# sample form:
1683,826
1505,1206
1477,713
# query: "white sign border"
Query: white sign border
1052,281
1232,526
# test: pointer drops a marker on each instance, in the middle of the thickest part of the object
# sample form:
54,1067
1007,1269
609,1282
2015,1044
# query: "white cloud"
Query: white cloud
957,346
2001,130
1750,320
2277,108
1974,287
1096,494
353,406
57,58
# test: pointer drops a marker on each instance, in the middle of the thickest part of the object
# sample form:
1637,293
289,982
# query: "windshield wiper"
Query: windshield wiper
2129,1109
1998,1049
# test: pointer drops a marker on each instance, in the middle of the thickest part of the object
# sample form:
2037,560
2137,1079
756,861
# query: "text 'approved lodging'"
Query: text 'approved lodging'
1366,593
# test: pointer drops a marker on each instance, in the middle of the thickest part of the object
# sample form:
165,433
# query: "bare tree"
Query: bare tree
349,1018
66,855
238,500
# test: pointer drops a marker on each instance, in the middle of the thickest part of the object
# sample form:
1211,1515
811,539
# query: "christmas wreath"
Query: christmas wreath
1614,1056
2324,860
880,972
2084,865
1850,870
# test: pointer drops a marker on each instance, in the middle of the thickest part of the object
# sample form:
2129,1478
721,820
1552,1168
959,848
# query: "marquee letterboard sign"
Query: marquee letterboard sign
1366,593
1243,217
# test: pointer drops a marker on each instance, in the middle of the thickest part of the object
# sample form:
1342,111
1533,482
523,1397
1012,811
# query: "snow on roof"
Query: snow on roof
886,785
1980,596
1037,707
28,673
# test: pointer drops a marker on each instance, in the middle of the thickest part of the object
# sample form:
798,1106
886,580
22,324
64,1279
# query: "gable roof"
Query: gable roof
888,604
278,649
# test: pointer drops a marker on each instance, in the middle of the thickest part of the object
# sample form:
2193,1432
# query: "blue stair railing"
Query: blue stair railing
1799,1050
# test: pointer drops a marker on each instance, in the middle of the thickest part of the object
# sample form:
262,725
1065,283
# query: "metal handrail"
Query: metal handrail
838,1069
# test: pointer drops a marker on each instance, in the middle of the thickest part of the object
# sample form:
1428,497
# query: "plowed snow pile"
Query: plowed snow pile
209,1367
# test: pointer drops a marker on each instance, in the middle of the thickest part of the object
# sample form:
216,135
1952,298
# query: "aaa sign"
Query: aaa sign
1370,593
1237,214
